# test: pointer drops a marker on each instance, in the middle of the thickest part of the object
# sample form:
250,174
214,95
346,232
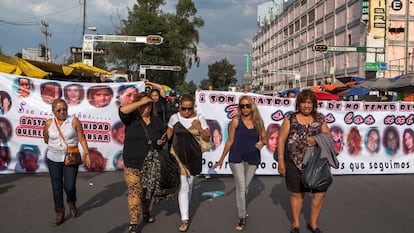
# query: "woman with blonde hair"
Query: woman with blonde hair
247,136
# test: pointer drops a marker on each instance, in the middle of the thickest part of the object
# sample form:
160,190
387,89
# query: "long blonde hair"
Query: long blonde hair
256,117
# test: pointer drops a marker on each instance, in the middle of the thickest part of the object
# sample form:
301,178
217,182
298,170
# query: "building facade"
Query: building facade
319,40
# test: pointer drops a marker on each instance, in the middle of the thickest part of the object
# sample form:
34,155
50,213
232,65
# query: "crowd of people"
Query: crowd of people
148,128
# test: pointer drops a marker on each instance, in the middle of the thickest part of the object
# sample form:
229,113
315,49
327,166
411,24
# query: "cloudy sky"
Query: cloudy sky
229,27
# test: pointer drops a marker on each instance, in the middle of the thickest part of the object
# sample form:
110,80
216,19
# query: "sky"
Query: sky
229,27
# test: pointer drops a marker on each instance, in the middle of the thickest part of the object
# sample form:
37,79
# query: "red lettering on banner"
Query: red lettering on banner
277,116
358,119
330,118
399,120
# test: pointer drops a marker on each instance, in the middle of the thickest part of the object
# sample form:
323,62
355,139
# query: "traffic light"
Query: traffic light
154,39
176,68
320,48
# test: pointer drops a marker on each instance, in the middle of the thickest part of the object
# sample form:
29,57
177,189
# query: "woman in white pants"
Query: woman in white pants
184,129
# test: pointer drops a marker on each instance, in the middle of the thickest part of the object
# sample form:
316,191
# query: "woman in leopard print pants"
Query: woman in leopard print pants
140,119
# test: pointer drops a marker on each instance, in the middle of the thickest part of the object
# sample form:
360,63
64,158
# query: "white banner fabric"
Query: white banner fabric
365,133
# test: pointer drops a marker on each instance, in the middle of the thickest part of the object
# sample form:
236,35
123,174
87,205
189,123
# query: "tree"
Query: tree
180,33
221,74
205,84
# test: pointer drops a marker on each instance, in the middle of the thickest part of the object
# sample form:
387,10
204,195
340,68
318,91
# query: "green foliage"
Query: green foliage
205,84
221,74
179,48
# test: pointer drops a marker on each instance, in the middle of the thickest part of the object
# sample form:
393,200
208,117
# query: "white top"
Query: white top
56,149
186,122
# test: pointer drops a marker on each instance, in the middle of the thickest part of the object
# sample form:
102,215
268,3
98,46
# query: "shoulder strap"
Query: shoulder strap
60,132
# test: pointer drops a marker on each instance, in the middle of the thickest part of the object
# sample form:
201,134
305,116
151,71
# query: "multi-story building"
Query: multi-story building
315,41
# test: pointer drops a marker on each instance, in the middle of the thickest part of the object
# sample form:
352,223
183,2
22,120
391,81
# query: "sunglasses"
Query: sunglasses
242,106
61,110
187,109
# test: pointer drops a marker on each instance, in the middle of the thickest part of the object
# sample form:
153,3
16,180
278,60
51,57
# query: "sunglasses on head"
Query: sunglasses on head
187,109
242,106
61,110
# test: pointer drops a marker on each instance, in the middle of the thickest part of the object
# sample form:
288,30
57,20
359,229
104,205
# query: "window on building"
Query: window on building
303,21
291,29
311,16
297,25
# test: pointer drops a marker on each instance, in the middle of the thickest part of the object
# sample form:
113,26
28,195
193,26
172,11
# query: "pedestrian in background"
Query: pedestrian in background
157,93
63,177
247,136
298,128
183,128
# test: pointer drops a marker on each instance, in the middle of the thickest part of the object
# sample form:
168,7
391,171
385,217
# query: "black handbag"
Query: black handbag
317,172
160,175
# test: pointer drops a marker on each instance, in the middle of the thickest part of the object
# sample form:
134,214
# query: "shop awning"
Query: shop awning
26,68
10,69
90,69
55,68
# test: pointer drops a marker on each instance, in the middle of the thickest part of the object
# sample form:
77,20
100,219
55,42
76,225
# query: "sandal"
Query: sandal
148,218
133,228
184,226
242,223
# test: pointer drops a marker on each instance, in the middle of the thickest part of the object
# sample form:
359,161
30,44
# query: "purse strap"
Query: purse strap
60,132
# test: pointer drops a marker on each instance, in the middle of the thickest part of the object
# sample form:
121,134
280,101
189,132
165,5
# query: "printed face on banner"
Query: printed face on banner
50,91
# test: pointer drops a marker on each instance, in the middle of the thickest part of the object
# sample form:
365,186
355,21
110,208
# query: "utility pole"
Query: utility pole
407,26
45,30
84,18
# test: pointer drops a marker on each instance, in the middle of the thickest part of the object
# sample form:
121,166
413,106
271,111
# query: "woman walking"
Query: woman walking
298,128
143,132
63,177
247,136
183,128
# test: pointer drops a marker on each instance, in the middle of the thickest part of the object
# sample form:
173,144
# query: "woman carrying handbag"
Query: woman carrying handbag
59,133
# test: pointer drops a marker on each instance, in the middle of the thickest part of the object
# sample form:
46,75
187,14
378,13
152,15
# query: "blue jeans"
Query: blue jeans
63,178
243,174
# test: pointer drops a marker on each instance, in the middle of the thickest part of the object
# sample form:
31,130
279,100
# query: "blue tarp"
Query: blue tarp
285,92
348,79
357,91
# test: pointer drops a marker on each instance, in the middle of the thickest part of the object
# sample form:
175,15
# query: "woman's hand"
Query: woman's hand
161,141
197,124
311,141
87,160
281,167
218,164
259,145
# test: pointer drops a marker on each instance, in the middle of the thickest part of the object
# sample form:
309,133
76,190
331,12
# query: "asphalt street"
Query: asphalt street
357,204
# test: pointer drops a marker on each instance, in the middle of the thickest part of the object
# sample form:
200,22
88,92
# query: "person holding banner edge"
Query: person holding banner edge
305,122
247,136
63,177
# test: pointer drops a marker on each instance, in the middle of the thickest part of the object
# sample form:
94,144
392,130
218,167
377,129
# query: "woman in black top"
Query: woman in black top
137,115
